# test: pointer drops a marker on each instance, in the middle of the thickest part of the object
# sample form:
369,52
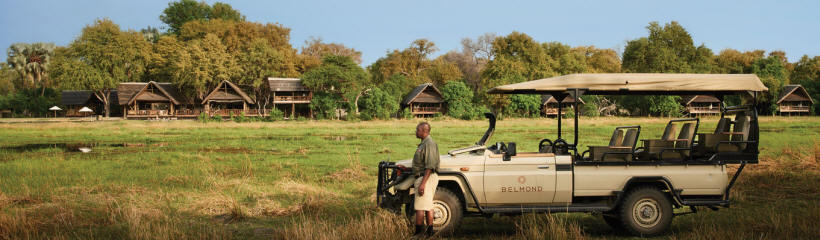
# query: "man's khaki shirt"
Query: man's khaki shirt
426,157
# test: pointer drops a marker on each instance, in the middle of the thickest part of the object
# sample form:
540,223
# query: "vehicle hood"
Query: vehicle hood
448,162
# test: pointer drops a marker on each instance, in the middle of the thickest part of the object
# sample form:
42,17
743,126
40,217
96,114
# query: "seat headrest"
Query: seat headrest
630,138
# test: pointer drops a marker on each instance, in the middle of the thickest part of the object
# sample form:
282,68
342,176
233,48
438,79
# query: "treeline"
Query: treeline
206,44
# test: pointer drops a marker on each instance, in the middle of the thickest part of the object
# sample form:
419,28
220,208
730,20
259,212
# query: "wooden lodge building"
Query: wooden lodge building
291,97
163,100
794,100
698,105
153,100
228,99
549,105
424,101
74,100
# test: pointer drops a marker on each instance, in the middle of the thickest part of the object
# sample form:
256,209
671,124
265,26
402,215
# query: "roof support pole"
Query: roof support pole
559,119
575,99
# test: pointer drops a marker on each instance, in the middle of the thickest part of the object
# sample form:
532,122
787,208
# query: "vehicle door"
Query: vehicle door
527,178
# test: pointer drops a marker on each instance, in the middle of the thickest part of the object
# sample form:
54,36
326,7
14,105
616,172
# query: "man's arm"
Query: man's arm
424,181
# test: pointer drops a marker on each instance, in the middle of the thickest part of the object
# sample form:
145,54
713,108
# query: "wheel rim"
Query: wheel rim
441,213
646,213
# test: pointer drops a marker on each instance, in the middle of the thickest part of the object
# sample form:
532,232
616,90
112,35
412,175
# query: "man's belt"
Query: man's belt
422,173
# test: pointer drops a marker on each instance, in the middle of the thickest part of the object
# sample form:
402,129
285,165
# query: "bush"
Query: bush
524,105
203,117
378,104
324,105
459,101
275,115
240,119
406,114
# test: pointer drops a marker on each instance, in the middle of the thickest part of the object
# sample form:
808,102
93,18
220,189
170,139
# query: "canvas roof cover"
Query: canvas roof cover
639,83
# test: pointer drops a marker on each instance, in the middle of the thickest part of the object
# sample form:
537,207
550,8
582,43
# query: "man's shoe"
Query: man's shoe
420,229
429,231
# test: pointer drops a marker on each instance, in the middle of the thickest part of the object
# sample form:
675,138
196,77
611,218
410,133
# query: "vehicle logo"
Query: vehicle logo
522,179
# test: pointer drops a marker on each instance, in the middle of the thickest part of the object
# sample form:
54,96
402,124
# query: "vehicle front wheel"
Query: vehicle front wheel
447,211
646,212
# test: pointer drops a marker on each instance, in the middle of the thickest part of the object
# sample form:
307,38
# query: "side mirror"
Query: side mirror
510,151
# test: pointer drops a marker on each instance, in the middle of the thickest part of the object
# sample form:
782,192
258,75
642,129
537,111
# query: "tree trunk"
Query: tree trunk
356,102
104,95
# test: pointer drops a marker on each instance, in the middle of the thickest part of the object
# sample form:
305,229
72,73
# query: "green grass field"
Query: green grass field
316,180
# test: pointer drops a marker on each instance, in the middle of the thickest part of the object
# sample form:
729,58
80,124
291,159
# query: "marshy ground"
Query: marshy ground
316,180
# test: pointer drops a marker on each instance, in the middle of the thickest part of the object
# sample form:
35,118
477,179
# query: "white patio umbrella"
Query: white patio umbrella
55,109
86,110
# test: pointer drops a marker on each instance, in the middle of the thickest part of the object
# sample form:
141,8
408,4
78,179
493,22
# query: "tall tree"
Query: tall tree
203,65
517,58
473,58
31,62
183,11
236,36
340,76
258,61
807,73
314,50
103,56
667,49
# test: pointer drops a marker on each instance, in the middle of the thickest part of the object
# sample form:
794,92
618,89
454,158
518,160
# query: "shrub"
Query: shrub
459,101
378,103
324,105
524,105
276,114
203,117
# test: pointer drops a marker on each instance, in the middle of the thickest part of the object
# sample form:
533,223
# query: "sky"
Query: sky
375,27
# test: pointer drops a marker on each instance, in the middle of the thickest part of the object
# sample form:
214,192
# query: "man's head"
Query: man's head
422,130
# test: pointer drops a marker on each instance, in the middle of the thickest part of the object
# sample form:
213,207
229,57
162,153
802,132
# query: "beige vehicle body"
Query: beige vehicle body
534,178
633,188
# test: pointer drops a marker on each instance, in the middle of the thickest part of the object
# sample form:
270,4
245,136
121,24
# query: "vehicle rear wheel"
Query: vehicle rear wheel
447,211
646,211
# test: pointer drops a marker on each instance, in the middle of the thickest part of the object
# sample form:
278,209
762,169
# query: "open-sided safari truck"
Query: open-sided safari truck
633,183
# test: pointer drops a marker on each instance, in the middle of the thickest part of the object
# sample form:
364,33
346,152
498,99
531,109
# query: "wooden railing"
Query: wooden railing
291,98
786,108
703,109
148,113
188,112
426,109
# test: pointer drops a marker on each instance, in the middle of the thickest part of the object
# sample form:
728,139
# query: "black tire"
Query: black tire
646,212
447,211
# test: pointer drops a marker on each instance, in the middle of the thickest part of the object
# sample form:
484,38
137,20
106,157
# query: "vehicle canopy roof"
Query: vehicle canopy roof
638,84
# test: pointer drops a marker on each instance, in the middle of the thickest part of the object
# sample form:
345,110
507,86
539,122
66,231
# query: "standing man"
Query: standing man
425,169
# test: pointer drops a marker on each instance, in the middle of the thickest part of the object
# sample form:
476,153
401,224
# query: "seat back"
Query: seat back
617,138
669,132
742,127
687,132
630,138
722,126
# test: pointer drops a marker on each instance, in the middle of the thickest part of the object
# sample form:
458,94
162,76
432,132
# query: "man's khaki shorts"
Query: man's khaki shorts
425,203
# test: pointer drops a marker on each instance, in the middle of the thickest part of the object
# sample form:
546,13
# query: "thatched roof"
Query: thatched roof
236,95
82,97
638,83
699,99
794,93
76,97
424,93
286,85
547,98
132,91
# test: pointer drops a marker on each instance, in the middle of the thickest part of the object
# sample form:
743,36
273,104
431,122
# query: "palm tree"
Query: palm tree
31,61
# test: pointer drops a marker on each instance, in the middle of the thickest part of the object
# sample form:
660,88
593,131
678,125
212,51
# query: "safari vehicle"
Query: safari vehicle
633,183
